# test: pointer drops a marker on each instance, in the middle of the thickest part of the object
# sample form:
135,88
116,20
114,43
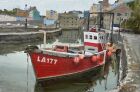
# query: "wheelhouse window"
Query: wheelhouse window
86,36
101,37
90,37
95,37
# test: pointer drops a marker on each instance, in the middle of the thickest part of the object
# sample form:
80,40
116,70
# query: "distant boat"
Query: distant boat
63,60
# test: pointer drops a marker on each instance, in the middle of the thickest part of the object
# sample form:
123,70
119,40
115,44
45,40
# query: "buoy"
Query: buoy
94,58
81,56
109,53
76,60
100,59
110,49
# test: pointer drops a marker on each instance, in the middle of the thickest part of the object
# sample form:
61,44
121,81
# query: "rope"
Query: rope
27,71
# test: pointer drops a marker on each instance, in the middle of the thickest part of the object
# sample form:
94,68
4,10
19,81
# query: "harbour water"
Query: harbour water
16,72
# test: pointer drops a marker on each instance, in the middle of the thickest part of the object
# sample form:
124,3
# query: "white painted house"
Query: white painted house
7,18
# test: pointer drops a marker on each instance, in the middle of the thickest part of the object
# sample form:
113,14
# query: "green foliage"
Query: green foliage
131,4
8,12
134,22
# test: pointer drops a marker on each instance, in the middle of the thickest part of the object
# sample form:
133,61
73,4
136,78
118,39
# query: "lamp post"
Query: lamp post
26,16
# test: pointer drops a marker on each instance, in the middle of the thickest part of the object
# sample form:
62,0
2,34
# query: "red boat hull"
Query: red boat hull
50,66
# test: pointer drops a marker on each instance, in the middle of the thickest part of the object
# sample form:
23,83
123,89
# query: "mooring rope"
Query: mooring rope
27,71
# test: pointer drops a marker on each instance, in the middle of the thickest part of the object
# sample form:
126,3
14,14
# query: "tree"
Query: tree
134,21
8,12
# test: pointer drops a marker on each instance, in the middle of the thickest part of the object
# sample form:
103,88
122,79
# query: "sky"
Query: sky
43,5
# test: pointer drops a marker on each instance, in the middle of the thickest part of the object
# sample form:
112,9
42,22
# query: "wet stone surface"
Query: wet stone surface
132,46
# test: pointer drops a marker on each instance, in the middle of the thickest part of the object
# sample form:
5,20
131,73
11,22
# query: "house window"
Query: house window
119,14
126,14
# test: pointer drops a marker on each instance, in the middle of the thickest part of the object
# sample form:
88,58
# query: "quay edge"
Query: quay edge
128,79
24,36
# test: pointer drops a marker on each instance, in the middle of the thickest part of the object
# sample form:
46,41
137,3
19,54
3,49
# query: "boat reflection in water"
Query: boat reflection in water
100,80
13,62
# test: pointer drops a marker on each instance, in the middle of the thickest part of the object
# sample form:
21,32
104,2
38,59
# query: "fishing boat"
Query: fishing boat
64,60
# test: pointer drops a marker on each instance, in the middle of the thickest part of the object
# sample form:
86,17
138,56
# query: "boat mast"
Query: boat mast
111,39
44,40
100,16
88,21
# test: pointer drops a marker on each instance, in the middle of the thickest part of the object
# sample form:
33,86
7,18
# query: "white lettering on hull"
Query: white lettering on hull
47,60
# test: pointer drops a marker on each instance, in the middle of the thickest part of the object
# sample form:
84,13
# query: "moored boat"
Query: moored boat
64,60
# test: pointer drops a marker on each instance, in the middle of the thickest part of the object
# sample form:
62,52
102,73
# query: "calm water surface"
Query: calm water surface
15,78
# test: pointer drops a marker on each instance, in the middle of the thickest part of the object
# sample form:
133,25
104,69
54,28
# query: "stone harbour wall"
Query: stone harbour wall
23,37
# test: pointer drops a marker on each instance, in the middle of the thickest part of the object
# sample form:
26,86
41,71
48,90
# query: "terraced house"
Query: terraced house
69,20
